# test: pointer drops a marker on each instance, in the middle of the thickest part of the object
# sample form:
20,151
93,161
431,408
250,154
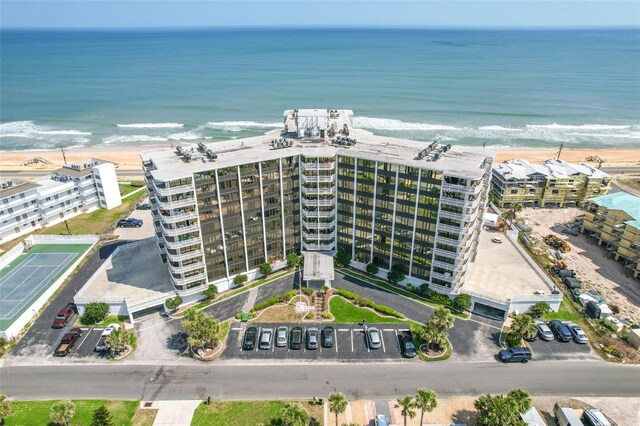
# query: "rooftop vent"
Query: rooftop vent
345,141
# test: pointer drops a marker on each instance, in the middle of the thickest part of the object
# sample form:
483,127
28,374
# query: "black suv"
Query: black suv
562,332
407,347
515,355
249,341
295,337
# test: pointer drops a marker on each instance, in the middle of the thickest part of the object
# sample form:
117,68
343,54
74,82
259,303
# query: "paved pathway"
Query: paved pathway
175,413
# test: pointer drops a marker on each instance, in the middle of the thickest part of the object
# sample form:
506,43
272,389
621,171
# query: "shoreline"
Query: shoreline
129,157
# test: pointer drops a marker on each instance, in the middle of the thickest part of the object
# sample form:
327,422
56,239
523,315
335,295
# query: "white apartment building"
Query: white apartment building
73,189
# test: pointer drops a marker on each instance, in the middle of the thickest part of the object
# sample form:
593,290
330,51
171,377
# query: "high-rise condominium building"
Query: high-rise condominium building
73,189
318,184
555,183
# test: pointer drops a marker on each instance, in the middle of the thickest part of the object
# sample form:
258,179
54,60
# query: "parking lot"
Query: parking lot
556,350
84,346
350,344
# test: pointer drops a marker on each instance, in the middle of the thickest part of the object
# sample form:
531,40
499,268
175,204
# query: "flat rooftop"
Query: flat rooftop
317,266
12,186
465,162
500,272
135,272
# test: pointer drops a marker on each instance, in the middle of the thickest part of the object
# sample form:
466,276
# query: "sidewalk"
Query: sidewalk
175,413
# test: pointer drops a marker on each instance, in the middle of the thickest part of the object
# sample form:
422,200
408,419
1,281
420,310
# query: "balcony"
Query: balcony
448,241
188,280
186,268
184,243
453,268
450,228
318,247
179,217
452,201
318,203
472,190
318,166
442,277
169,205
172,190
316,179
317,191
184,256
451,215
318,213
318,225
18,201
179,231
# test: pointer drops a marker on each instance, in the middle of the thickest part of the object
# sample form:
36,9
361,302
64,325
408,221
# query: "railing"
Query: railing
443,277
193,290
318,247
18,201
64,239
451,201
186,268
47,203
450,228
317,191
172,190
183,243
318,225
446,253
179,217
168,205
149,302
315,166
328,179
178,231
318,203
481,296
318,213
451,215
184,256
188,280
445,240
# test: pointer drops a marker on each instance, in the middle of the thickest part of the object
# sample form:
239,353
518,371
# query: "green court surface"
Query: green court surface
31,274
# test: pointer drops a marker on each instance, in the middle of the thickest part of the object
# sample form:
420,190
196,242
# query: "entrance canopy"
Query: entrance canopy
318,267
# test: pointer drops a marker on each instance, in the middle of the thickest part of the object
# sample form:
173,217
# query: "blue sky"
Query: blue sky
359,13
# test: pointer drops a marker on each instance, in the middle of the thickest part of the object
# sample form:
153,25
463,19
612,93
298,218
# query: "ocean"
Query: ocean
501,88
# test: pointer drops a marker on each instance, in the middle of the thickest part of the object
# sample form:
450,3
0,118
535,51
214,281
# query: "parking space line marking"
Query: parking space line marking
398,340
86,336
382,339
237,329
258,338
351,340
335,337
388,329
344,329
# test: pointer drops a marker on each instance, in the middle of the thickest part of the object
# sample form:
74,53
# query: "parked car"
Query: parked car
130,223
312,338
579,336
110,328
281,336
570,231
67,342
328,336
144,206
265,338
407,347
497,240
544,332
593,309
295,338
382,420
373,338
64,315
249,341
561,331
522,355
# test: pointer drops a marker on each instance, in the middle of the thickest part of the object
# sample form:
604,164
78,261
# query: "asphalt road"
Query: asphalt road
41,338
33,174
617,170
254,381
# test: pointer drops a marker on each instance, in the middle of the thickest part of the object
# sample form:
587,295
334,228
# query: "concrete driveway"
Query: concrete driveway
145,231
475,339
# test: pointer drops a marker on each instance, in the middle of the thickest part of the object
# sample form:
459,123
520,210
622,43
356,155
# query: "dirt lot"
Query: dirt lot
597,271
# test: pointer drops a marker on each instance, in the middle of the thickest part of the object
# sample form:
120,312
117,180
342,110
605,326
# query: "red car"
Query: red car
63,317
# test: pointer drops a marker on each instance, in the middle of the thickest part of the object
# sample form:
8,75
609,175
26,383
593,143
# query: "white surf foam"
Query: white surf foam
500,128
576,127
133,139
185,136
27,129
151,125
238,126
391,124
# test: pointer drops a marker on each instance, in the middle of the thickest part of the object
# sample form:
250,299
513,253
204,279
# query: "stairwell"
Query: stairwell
317,307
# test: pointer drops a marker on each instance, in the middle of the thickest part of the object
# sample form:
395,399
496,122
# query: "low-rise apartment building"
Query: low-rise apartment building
73,189
555,183
320,185
614,220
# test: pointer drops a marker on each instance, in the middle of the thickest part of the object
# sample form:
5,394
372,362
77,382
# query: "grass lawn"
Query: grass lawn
106,322
99,221
37,412
346,312
144,418
243,413
280,313
567,312
401,292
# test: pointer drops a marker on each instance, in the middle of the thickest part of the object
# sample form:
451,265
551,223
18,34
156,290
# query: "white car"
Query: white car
497,240
382,420
109,329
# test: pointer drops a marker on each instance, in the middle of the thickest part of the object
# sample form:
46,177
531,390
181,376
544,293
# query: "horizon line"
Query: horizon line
338,27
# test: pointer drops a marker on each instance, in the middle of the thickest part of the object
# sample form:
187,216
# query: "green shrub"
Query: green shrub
173,303
394,276
294,260
611,350
265,268
326,315
513,340
95,312
462,302
310,315
274,300
442,299
389,311
210,292
307,291
372,268
238,315
342,258
347,294
540,309
240,279
409,287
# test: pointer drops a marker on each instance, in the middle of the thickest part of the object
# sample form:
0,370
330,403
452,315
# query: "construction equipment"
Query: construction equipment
557,243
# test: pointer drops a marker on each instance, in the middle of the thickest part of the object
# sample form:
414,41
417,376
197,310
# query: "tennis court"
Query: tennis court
31,274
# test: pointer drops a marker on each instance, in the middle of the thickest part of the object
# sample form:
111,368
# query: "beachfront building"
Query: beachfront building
614,220
73,189
554,183
317,185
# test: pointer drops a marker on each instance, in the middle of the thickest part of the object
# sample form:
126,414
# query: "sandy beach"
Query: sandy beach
129,157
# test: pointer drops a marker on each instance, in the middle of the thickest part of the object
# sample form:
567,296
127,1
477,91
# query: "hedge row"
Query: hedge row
274,300
368,303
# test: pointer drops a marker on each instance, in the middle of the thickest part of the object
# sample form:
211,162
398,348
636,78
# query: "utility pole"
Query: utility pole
559,151
64,157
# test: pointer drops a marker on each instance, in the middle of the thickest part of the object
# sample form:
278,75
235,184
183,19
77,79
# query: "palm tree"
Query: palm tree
5,408
118,340
62,412
337,403
509,215
293,414
406,404
517,208
523,326
426,400
521,398
442,318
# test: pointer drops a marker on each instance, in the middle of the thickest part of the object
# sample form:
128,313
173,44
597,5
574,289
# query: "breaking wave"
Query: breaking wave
151,126
237,126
